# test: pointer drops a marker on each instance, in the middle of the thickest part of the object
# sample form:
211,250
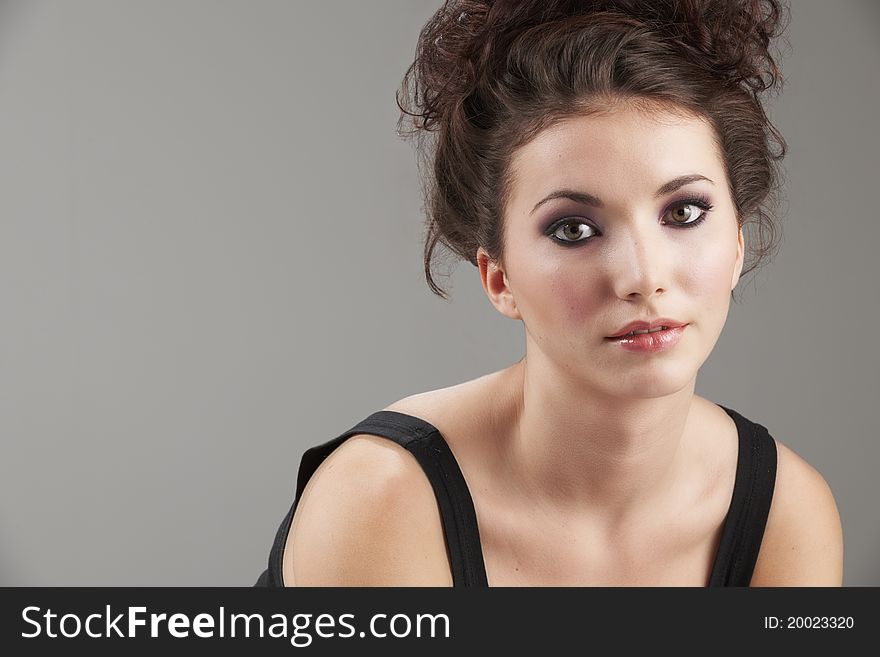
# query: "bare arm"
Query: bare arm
803,541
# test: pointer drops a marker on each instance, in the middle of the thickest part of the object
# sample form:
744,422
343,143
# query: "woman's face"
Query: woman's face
634,246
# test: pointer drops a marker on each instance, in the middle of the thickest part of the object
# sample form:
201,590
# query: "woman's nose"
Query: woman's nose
643,266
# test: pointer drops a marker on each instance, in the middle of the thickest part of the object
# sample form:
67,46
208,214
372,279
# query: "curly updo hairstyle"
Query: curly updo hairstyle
488,76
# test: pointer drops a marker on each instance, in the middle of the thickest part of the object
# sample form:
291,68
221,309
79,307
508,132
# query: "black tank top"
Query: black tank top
740,538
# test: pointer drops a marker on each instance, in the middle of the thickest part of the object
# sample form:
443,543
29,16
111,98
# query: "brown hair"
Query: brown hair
489,75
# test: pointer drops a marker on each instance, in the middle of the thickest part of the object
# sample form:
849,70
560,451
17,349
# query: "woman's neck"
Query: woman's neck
569,449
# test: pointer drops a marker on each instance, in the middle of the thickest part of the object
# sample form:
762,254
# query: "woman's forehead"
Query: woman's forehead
615,151
620,134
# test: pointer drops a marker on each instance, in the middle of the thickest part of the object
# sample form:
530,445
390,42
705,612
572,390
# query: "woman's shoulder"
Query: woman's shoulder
458,397
470,408
364,519
803,539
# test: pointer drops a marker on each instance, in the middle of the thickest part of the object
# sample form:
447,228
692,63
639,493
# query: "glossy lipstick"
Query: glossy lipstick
650,342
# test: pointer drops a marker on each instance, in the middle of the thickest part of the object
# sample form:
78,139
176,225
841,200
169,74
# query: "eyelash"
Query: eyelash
699,201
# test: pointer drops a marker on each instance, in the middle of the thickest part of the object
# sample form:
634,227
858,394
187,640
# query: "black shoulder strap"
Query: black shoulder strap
427,445
750,505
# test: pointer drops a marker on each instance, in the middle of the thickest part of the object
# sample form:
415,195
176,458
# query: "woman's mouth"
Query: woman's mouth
652,340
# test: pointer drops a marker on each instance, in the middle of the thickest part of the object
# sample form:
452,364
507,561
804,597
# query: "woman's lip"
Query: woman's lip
650,342
653,324
618,337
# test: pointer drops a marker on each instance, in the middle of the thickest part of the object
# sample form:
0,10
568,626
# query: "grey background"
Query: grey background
210,259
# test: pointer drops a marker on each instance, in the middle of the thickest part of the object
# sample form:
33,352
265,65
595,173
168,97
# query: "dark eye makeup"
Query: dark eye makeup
696,200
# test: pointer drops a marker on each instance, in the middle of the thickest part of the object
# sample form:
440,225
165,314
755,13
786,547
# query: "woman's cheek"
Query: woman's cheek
574,298
708,282
551,294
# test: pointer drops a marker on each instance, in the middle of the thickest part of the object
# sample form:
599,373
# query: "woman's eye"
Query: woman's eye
687,213
572,231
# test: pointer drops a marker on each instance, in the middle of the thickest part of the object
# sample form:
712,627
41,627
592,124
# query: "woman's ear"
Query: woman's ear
496,286
740,251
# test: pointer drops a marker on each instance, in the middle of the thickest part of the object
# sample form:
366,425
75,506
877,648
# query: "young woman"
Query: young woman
597,161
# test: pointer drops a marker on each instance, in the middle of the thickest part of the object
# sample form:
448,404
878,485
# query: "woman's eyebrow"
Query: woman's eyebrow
589,199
